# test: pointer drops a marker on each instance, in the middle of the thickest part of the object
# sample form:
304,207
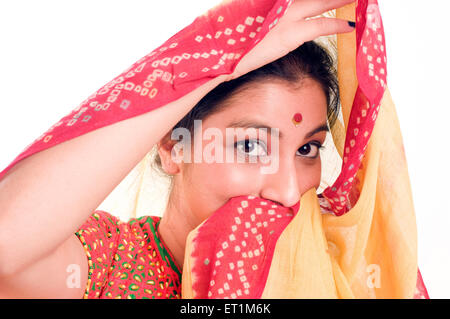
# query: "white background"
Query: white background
54,54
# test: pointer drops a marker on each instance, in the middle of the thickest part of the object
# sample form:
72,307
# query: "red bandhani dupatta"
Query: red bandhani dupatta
210,46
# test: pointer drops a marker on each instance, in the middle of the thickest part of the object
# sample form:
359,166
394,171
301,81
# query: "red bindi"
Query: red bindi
297,118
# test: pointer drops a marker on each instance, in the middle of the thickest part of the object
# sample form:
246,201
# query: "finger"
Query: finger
301,9
322,26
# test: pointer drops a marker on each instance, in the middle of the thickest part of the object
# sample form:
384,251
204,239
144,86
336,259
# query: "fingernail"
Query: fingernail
351,23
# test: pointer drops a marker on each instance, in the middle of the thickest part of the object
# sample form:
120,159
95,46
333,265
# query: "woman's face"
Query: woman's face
204,187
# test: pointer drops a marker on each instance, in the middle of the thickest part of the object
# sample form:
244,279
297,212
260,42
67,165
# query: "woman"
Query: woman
143,258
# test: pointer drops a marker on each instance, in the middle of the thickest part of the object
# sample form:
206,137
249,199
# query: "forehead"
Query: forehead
275,103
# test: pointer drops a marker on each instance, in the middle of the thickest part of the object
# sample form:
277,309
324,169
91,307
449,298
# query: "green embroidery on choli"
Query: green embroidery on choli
162,249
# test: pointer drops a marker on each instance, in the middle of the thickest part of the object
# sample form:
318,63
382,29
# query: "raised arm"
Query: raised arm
46,197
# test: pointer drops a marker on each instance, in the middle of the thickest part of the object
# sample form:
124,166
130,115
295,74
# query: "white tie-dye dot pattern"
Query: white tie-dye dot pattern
243,252
371,73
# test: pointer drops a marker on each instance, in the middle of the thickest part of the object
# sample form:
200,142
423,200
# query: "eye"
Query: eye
310,150
251,147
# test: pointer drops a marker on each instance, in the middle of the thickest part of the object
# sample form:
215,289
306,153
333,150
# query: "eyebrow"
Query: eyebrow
257,125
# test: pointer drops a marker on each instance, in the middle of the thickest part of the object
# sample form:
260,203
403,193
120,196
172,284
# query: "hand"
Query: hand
293,30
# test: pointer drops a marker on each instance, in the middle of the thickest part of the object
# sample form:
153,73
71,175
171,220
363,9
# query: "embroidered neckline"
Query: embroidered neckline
163,250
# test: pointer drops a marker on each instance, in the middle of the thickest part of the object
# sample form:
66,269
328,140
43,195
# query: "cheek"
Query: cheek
310,177
210,186
239,179
225,180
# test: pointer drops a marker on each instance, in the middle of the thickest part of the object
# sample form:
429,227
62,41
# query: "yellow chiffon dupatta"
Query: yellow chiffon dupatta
371,251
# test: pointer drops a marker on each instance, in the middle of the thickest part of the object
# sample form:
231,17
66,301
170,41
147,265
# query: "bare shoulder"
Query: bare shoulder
61,274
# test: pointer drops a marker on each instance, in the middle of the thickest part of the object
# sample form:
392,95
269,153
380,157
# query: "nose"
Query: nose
282,186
